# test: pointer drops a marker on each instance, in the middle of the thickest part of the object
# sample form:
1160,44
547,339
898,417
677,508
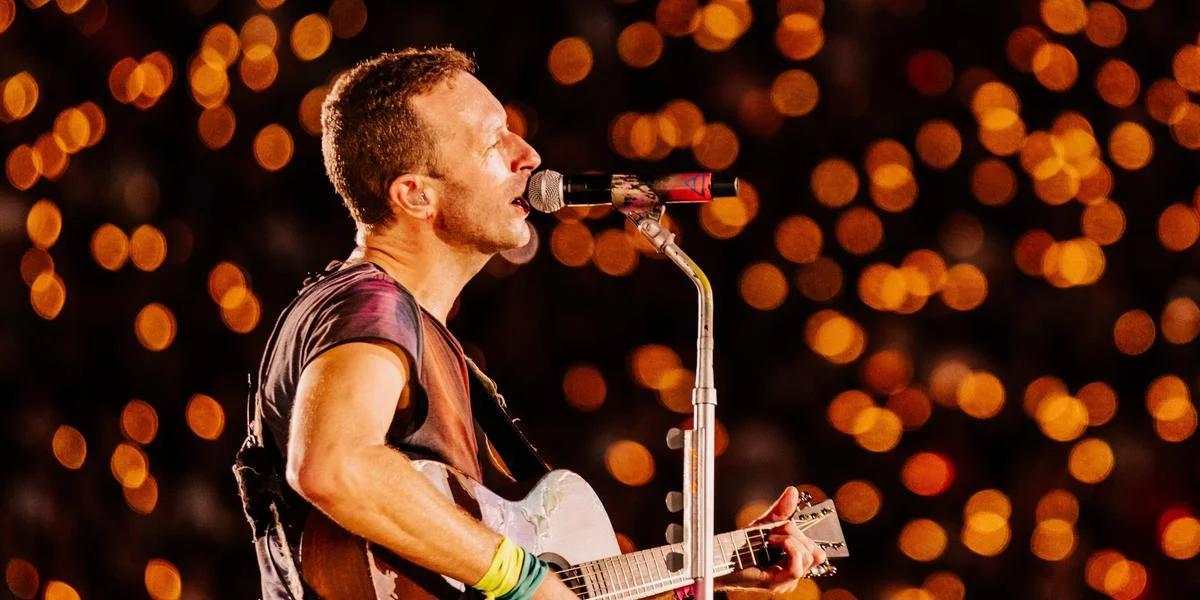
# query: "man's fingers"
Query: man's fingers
783,507
799,557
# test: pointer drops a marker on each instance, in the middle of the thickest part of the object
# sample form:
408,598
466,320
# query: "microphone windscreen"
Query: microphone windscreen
545,191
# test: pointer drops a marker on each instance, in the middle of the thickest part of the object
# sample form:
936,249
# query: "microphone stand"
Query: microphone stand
638,202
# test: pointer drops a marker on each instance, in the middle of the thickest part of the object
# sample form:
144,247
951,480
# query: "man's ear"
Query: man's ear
407,195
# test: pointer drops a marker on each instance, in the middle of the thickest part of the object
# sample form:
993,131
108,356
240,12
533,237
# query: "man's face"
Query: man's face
484,166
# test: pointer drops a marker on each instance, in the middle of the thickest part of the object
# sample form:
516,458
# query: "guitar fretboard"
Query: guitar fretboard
648,572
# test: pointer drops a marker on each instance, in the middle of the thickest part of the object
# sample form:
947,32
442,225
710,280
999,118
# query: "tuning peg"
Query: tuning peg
674,501
674,533
675,438
821,570
831,545
674,561
806,498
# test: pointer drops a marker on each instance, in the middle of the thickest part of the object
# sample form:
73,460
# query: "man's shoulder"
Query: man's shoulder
359,282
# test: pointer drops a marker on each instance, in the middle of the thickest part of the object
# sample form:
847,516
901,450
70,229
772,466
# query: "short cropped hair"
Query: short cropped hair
369,132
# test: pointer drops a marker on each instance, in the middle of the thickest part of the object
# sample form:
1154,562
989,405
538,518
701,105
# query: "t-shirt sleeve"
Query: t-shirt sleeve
369,310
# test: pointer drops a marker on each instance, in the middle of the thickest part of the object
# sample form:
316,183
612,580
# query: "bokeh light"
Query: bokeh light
629,462
927,474
834,336
147,247
1058,504
859,230
155,327
966,287
1178,227
939,144
1106,25
1064,16
993,183
1134,332
1055,67
1100,400
1091,460
43,223
205,417
48,295
1130,146
981,395
795,93
821,280
69,447
162,580
763,286
1061,417
59,590
614,253
273,147
1180,537
584,387
715,146
887,371
144,498
216,126
129,465
834,182
640,44
799,36
858,501
22,578
311,36
1052,540
570,60
139,421
923,540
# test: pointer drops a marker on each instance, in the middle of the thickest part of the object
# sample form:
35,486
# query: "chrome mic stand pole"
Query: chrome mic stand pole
698,453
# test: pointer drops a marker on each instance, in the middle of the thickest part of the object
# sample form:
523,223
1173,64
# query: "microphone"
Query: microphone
549,191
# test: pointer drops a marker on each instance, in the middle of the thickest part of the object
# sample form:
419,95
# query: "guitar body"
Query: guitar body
561,520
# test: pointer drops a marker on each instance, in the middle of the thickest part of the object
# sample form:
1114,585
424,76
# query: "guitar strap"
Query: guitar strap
503,429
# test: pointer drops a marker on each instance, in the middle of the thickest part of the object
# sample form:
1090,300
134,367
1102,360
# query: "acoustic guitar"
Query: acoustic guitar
563,522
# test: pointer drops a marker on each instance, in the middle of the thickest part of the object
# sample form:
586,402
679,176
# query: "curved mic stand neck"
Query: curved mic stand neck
698,452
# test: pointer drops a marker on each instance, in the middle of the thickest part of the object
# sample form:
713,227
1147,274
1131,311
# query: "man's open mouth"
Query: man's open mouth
521,202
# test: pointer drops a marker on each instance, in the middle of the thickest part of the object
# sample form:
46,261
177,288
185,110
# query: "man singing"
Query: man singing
361,375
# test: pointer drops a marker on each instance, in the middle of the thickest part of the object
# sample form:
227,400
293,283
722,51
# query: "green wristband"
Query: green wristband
533,571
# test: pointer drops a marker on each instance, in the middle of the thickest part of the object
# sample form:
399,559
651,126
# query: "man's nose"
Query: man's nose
526,157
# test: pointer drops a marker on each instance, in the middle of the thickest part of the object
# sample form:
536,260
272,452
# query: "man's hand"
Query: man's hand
802,553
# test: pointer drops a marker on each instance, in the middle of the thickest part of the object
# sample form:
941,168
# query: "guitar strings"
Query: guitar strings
758,531
679,580
676,580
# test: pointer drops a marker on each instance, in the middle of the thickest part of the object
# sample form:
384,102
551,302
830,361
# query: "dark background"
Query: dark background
530,326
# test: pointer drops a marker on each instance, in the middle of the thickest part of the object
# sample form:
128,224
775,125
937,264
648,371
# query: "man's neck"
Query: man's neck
434,272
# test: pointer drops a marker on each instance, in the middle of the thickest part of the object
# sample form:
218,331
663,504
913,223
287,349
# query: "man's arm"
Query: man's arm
339,461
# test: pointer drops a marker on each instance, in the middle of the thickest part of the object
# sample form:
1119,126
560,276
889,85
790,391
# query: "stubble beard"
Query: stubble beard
465,224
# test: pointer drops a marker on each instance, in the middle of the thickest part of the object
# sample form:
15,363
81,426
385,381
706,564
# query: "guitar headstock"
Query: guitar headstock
821,524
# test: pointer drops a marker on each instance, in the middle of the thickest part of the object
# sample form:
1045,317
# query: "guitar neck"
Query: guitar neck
656,570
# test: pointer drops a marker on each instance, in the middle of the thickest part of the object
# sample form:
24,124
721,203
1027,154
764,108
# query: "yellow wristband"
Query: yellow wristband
505,571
